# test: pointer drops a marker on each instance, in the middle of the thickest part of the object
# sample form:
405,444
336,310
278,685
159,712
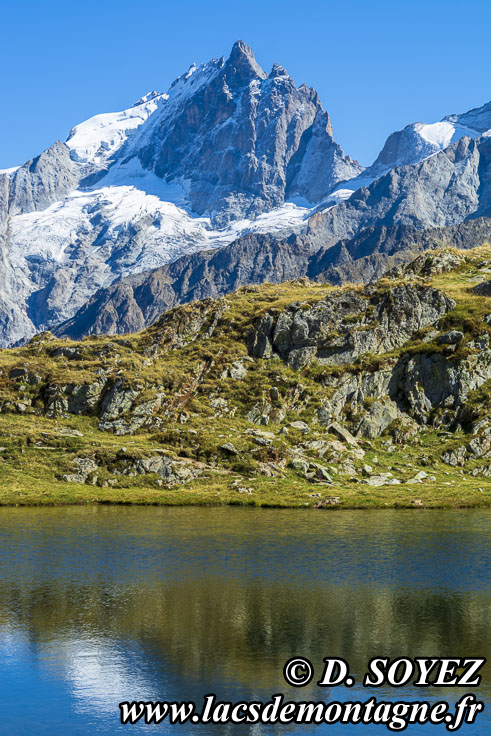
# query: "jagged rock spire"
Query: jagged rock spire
242,64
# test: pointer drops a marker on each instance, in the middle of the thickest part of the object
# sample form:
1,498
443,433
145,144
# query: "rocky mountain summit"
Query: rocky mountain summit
176,173
242,139
294,394
231,157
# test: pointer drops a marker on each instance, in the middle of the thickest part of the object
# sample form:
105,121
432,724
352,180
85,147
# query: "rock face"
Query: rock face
444,189
338,330
243,139
41,181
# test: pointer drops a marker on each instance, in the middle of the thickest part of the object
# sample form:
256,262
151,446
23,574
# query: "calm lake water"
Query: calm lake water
100,605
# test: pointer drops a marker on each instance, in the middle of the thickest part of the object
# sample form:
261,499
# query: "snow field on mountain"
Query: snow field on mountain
444,133
97,138
163,229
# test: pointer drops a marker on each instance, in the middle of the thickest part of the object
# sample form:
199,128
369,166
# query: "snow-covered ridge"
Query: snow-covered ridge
9,172
195,77
98,138
185,86
150,211
444,133
418,141
478,119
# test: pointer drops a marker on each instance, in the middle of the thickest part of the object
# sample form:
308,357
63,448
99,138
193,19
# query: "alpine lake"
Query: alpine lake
100,605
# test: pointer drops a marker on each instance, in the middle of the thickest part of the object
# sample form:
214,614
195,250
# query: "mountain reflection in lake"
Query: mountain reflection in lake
100,605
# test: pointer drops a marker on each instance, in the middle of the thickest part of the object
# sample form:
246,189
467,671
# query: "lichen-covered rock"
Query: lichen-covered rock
450,338
260,413
72,353
429,381
381,479
455,457
341,432
428,264
84,467
301,426
56,402
237,370
117,401
182,326
321,472
229,448
479,446
403,429
341,328
300,464
84,398
354,388
380,416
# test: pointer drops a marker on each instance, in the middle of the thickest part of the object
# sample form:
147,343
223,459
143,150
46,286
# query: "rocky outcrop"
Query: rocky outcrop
340,329
42,180
104,471
430,388
427,265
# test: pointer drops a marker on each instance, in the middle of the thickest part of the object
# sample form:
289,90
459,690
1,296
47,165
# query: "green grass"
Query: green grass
35,455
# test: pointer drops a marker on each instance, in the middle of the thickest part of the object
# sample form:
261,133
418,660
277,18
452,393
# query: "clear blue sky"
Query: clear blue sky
377,64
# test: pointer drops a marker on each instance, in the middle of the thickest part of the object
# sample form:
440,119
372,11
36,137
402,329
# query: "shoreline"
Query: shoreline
368,504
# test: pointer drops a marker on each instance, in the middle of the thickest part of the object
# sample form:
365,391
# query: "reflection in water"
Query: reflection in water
101,605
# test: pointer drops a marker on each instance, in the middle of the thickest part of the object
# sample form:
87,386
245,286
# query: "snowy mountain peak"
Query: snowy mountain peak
223,152
238,139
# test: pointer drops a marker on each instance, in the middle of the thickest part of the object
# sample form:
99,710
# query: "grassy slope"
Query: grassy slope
34,455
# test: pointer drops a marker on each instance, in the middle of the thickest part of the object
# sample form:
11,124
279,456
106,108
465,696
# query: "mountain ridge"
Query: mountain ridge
136,302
